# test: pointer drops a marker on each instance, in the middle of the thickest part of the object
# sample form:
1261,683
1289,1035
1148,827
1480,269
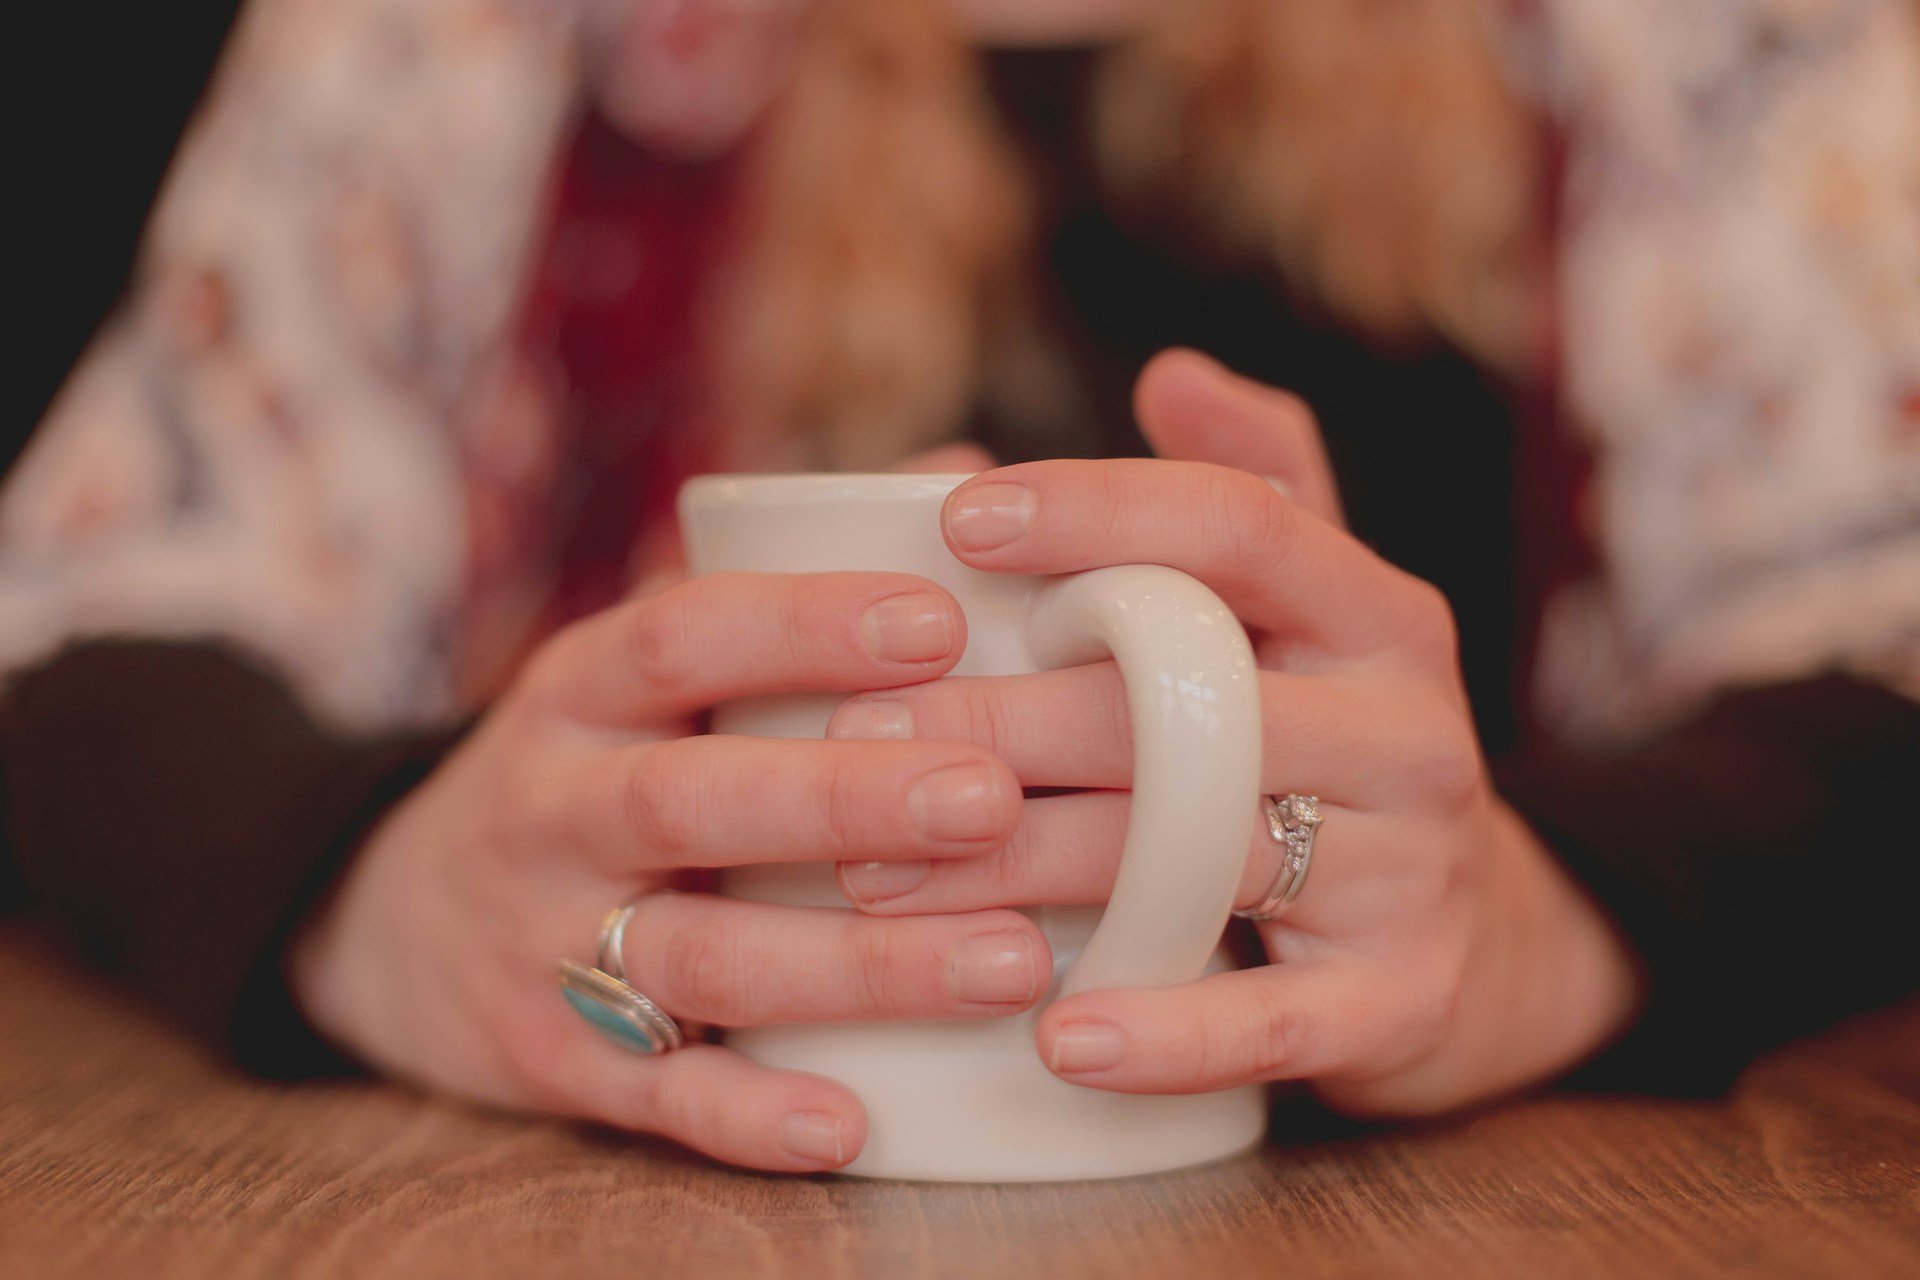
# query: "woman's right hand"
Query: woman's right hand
590,784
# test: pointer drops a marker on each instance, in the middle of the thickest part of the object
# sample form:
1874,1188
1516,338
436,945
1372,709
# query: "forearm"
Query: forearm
1576,980
1744,856
172,810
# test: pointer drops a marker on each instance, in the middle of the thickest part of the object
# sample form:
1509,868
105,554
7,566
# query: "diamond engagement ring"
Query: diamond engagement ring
1292,822
604,999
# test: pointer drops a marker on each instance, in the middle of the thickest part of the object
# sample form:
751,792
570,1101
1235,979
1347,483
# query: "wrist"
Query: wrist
1576,981
335,958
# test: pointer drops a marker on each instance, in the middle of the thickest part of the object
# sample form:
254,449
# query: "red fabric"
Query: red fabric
612,324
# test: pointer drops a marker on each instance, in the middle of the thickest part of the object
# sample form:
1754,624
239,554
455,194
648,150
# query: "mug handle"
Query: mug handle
1194,698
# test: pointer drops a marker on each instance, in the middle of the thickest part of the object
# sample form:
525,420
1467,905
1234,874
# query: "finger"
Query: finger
1277,1022
1277,566
721,1104
1356,739
1192,407
964,457
740,964
1067,853
735,635
722,800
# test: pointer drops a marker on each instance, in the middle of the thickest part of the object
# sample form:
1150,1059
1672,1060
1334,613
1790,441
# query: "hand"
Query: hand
1437,954
587,785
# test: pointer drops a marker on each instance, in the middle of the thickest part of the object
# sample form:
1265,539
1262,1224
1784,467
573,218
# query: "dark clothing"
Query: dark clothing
1753,856
174,811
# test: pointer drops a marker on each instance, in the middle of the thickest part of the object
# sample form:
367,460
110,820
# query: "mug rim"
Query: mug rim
810,487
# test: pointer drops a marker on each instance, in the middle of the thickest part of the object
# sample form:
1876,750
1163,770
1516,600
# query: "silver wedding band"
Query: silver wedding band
1292,822
604,999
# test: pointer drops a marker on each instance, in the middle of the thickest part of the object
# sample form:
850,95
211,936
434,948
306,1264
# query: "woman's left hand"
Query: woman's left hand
1438,954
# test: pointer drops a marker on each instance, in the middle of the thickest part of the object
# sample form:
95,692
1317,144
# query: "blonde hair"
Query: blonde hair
1367,149
1368,152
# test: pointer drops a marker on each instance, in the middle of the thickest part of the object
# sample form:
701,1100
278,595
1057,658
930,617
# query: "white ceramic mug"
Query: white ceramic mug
970,1100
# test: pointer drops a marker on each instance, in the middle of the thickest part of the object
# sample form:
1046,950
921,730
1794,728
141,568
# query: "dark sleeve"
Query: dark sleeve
1756,858
172,810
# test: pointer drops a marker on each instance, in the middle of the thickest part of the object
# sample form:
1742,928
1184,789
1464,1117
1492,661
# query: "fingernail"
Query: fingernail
956,803
871,718
984,516
995,968
1280,487
1086,1046
867,882
813,1135
911,628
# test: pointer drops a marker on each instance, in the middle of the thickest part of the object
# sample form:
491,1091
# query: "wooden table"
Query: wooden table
126,1151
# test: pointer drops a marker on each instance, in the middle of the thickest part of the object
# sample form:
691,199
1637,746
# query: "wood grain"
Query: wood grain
125,1150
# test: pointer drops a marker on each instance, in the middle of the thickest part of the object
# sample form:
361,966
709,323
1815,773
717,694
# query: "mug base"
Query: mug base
972,1102
944,1172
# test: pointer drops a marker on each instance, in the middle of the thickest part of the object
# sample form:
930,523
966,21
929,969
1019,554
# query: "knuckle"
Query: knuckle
699,965
1263,528
1216,510
659,636
875,964
1217,1050
526,804
1433,880
1260,1041
648,1100
1294,418
1277,1038
685,1112
660,799
545,686
1446,767
844,806
540,681
1110,512
1430,633
1434,1008
984,720
796,620
1010,869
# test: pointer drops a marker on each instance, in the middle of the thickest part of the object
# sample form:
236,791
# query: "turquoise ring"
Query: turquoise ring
617,1011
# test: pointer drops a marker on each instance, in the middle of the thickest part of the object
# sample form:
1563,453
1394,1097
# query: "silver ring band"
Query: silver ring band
1292,822
602,997
612,957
